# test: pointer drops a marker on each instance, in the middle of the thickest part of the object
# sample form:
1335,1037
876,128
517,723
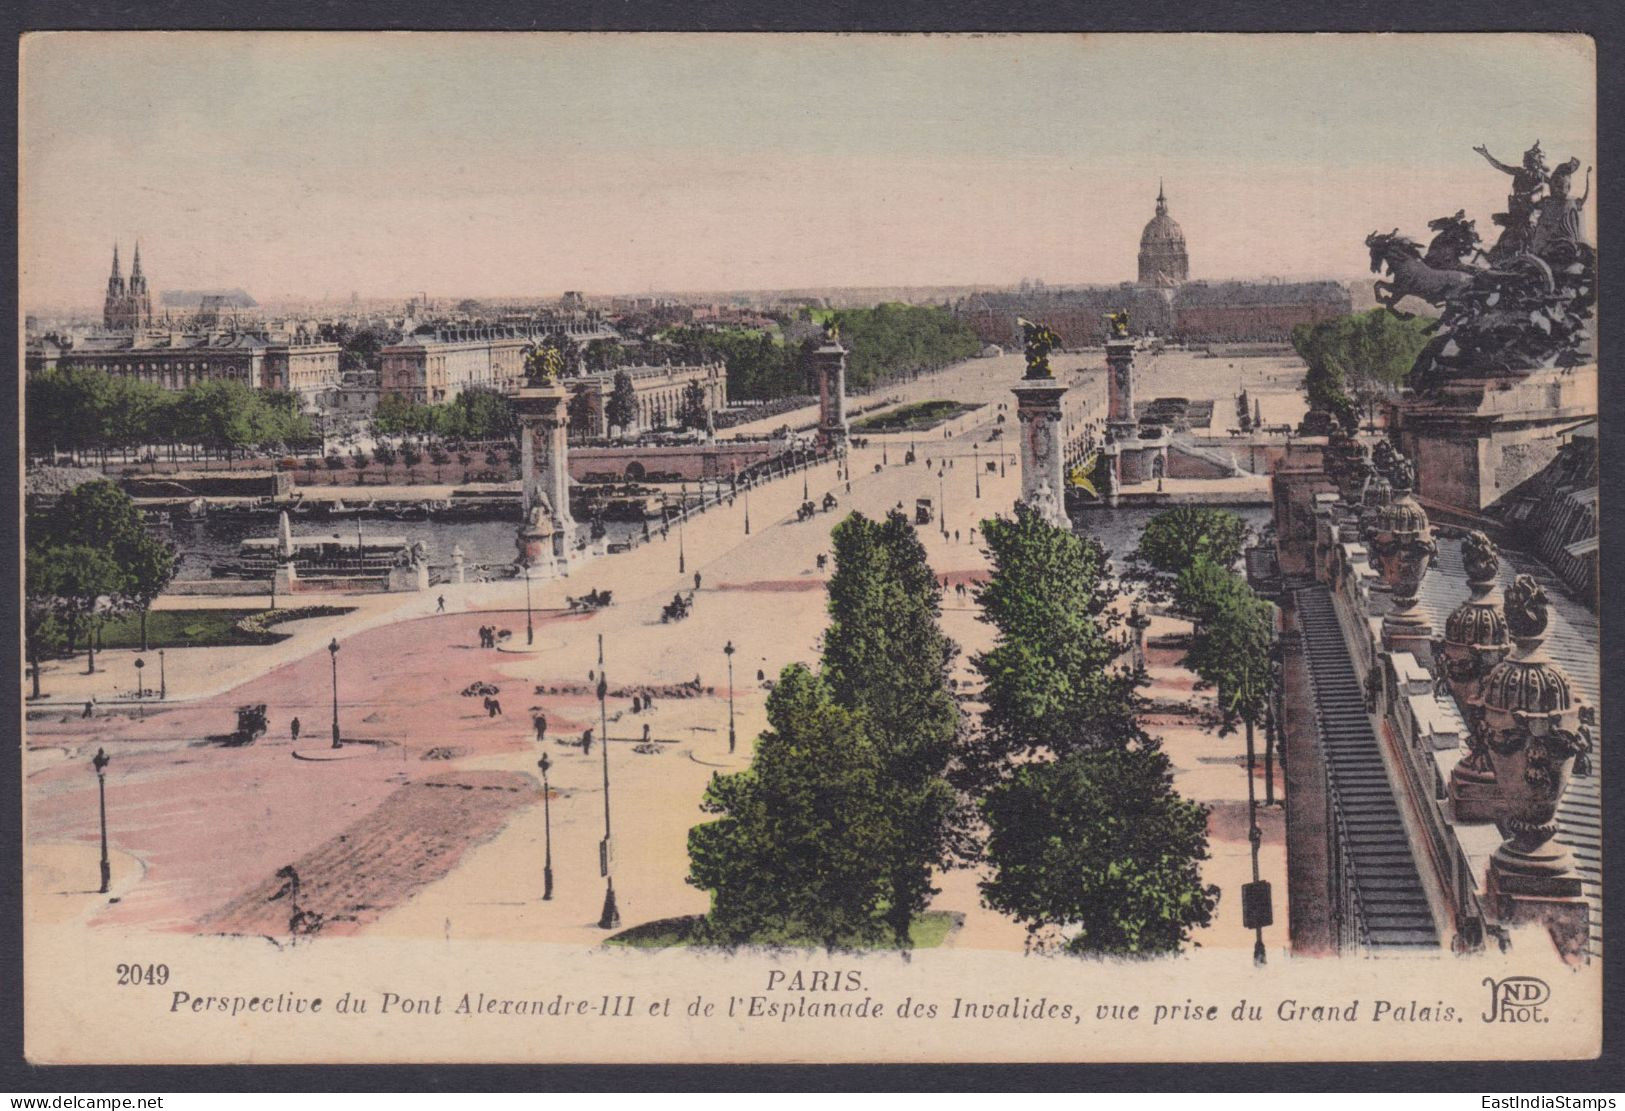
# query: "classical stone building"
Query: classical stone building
128,306
435,365
298,363
659,391
1164,262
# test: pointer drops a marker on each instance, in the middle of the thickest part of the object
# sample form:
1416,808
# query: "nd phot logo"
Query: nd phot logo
1517,999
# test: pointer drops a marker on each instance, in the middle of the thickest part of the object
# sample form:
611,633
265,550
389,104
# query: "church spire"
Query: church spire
135,265
116,275
1162,201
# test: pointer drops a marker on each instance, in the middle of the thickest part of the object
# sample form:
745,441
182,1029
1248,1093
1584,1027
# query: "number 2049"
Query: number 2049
154,974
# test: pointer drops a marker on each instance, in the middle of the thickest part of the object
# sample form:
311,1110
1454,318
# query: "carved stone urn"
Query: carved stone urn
1348,464
1531,728
1403,549
1475,640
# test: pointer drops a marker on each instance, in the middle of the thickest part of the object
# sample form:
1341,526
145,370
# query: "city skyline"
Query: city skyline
300,166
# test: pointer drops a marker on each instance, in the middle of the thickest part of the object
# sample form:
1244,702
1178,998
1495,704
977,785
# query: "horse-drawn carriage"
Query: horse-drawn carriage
830,502
251,725
594,599
676,609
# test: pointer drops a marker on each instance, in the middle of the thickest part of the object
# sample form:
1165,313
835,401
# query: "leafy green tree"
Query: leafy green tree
486,414
411,456
797,851
886,656
359,462
1175,538
695,411
603,354
82,584
1099,844
1051,687
1230,647
622,407
100,516
1356,360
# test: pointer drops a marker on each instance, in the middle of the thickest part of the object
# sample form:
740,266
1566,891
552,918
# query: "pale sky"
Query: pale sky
304,165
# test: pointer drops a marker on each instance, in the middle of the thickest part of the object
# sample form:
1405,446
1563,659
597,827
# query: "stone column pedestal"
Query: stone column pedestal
1043,467
829,361
544,449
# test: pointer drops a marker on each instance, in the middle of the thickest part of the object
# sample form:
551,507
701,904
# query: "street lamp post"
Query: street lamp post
611,916
682,518
139,690
333,650
547,826
100,762
942,498
977,450
530,629
728,650
163,685
747,507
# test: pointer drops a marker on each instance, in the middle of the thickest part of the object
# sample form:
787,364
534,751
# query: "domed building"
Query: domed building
1163,261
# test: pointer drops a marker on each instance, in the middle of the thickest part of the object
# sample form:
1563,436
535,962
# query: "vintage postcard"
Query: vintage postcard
672,548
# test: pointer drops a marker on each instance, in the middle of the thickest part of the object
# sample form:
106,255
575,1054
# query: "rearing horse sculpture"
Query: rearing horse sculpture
1409,273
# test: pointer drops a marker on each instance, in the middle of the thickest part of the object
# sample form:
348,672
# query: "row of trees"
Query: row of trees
1358,360
868,780
88,557
888,342
477,413
85,411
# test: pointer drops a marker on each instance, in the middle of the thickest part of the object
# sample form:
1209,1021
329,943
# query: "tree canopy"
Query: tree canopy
1175,538
886,656
1050,684
1354,360
85,409
1100,844
621,408
794,854
1230,647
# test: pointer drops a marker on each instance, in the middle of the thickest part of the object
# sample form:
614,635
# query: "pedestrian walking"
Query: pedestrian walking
540,722
440,604
293,729
87,712
696,580
586,741
956,536
645,732
496,708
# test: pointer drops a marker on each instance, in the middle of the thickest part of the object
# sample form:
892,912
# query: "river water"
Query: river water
202,544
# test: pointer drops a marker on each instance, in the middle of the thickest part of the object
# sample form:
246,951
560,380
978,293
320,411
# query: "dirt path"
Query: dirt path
416,836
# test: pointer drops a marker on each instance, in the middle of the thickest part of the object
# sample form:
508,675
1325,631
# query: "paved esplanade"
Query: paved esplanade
400,671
